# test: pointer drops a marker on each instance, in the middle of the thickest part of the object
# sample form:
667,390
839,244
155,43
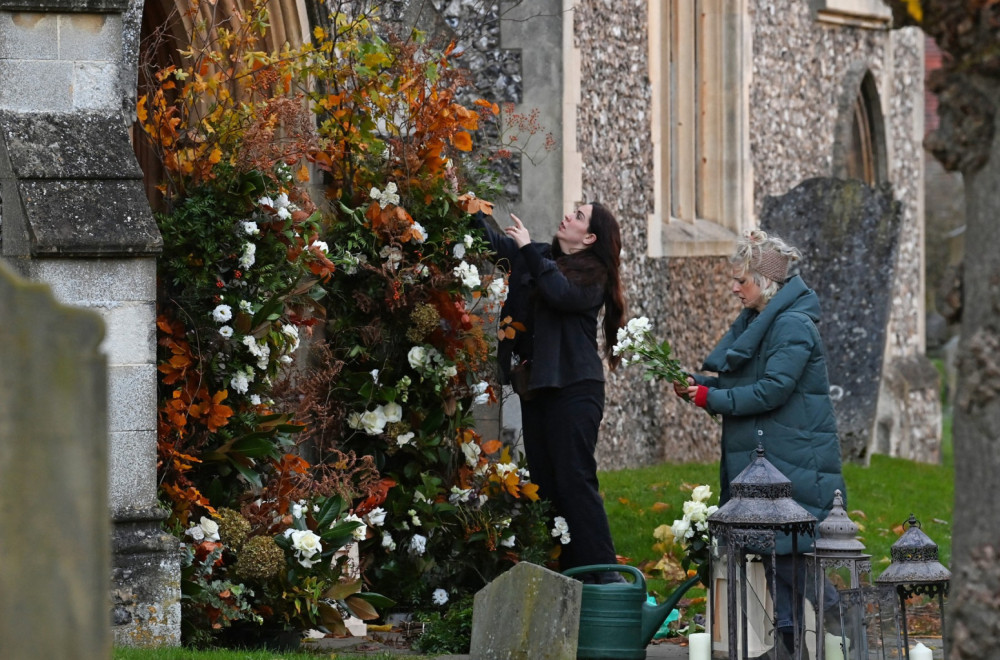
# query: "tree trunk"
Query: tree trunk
973,608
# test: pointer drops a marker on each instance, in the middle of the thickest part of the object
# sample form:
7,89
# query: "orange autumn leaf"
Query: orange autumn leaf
491,446
472,204
659,507
217,414
462,141
530,490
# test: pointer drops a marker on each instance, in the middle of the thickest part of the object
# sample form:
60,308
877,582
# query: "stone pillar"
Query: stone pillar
74,215
53,466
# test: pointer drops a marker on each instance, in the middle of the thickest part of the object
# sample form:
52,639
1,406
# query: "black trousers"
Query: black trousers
560,428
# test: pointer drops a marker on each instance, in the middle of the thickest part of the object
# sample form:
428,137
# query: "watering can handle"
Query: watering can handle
602,568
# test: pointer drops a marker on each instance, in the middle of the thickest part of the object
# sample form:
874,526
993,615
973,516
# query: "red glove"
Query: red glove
701,397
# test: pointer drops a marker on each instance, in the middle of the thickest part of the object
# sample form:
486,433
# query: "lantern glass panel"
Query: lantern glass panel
871,630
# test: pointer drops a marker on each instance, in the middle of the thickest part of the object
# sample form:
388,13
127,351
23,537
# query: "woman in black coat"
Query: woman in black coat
555,295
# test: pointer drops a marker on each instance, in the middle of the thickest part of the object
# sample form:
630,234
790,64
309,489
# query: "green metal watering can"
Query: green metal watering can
616,622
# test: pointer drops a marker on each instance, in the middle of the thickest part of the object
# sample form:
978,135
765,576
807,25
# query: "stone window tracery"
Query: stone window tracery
700,59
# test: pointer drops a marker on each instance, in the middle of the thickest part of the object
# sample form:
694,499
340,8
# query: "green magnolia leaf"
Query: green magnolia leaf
342,590
336,538
331,619
329,511
377,600
255,447
361,608
249,474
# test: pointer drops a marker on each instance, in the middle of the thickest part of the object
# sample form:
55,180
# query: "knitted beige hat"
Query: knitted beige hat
771,264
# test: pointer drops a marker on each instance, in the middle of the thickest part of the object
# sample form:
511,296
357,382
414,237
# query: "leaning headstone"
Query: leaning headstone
55,544
528,613
848,233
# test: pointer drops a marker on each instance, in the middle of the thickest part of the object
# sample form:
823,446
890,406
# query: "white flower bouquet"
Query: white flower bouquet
636,346
691,532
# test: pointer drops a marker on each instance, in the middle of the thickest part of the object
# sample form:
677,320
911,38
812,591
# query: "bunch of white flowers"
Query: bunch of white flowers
430,363
467,274
373,422
387,197
691,531
560,529
206,530
635,345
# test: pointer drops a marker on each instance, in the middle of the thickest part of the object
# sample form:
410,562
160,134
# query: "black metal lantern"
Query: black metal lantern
915,569
745,527
854,619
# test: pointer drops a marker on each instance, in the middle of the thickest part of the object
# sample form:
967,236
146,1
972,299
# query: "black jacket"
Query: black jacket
559,312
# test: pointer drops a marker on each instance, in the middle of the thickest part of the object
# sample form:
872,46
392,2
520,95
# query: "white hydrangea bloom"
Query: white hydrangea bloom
418,544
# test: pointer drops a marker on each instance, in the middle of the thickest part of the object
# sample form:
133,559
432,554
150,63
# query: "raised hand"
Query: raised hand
518,232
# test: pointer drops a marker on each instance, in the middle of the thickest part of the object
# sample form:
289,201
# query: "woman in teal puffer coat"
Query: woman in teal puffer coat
772,389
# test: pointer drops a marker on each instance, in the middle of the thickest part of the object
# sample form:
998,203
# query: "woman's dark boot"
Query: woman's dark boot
784,645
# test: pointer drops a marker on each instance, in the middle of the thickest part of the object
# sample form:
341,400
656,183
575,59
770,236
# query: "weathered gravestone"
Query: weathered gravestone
528,613
55,545
848,233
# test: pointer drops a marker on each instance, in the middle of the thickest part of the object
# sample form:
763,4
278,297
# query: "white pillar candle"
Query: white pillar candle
699,646
920,652
832,648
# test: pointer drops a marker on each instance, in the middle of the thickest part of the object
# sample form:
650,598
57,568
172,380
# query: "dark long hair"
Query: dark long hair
600,262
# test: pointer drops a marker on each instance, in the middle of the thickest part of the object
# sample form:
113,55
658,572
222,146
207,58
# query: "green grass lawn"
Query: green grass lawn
881,498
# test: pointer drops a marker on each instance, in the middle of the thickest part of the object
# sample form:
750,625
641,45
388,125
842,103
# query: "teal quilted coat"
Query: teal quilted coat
772,389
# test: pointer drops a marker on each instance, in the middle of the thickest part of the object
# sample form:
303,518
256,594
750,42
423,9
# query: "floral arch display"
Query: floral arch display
320,194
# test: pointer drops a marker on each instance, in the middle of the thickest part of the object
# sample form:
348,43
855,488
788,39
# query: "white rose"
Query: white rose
701,493
404,439
695,510
472,452
417,357
376,517
508,542
361,531
373,421
680,528
440,597
307,542
393,412
387,541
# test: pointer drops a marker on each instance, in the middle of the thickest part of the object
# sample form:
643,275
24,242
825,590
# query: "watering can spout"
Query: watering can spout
653,616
